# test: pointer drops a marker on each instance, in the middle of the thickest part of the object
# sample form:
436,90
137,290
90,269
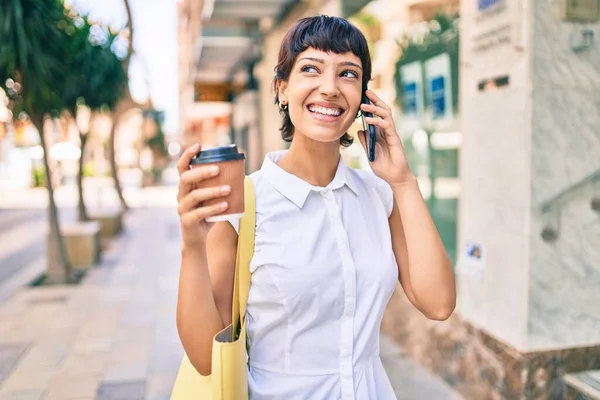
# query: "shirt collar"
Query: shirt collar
297,189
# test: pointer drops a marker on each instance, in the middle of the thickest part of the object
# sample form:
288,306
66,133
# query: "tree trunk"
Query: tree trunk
81,209
59,270
127,59
116,116
125,104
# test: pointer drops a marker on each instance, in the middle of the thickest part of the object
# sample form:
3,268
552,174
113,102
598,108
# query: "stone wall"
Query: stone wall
478,365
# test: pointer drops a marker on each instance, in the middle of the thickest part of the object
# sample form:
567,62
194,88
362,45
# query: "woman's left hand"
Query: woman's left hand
390,160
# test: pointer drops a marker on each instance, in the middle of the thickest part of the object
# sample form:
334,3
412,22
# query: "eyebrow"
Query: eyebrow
321,61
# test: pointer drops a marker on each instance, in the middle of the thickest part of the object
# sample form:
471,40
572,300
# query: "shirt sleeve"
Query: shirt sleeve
387,196
235,222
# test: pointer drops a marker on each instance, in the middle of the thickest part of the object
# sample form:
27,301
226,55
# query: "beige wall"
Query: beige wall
189,32
496,174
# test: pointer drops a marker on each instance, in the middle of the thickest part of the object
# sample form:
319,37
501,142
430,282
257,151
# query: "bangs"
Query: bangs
331,35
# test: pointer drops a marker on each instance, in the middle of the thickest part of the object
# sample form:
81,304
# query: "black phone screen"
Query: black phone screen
370,131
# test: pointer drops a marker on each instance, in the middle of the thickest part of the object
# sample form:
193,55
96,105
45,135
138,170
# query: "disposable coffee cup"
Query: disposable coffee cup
231,172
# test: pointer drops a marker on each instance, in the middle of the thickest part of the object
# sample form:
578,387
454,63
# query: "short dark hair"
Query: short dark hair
325,33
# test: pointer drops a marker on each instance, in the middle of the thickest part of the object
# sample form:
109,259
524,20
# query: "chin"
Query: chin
321,135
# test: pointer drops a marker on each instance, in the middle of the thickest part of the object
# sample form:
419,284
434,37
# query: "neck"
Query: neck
315,162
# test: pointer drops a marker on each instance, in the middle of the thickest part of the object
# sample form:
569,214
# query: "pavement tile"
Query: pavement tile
412,381
94,345
98,328
9,356
22,395
130,353
18,336
57,339
66,387
7,324
44,356
105,312
14,308
166,334
128,371
134,334
23,380
165,362
87,365
159,386
115,295
102,276
49,295
122,390
64,327
139,319
166,311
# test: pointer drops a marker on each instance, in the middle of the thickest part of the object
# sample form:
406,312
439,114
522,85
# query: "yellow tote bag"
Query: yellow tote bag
229,377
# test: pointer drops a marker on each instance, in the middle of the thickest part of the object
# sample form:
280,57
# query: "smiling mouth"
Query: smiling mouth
325,111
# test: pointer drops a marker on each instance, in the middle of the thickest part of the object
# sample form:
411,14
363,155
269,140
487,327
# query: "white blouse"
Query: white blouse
322,274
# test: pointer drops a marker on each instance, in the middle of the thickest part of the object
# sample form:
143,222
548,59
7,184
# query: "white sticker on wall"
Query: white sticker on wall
471,262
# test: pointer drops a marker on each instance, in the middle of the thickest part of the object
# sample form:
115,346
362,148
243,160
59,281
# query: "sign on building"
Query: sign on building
439,90
412,92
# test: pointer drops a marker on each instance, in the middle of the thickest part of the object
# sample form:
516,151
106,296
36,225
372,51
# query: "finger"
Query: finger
377,100
195,197
184,161
376,110
198,174
198,215
382,123
191,177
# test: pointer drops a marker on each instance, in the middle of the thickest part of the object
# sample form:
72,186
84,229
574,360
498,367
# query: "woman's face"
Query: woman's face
323,93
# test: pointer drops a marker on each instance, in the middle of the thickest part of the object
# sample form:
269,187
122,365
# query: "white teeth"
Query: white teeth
324,110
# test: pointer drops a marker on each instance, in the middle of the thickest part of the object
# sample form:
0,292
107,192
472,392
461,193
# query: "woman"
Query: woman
331,242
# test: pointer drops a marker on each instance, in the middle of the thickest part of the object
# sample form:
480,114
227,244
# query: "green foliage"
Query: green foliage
442,36
367,19
32,50
39,176
51,58
97,76
89,169
157,142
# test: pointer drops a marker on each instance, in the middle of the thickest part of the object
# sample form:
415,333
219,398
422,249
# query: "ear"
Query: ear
282,91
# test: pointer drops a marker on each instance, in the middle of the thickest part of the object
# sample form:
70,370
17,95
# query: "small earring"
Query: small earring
283,106
359,114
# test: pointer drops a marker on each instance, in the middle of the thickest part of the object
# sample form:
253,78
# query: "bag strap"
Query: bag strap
245,251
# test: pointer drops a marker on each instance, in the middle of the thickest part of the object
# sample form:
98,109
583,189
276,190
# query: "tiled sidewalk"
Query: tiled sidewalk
113,337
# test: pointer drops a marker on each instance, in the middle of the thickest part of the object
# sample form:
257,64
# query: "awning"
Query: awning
231,35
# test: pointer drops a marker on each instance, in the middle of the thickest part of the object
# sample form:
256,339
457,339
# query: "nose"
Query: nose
329,86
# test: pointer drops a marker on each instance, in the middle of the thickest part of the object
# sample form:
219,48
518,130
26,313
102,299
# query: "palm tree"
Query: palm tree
32,49
98,80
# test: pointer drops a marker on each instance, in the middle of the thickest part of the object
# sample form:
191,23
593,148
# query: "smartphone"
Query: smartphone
370,131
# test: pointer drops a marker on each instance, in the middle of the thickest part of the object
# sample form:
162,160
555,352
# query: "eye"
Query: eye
349,74
309,68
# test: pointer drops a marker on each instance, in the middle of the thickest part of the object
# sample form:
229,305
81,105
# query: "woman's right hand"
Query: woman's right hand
194,228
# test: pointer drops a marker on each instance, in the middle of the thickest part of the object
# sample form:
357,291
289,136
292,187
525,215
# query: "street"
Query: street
21,239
